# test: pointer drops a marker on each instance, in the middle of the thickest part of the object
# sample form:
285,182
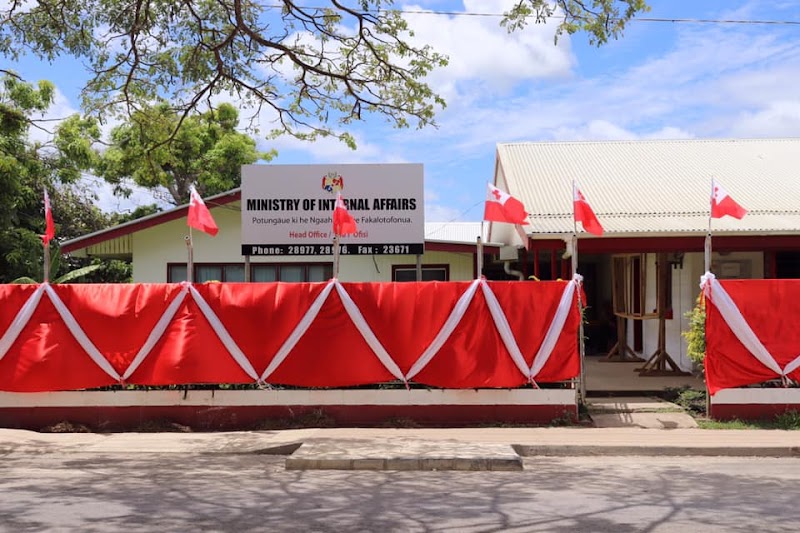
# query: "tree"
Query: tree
28,168
601,20
317,69
205,150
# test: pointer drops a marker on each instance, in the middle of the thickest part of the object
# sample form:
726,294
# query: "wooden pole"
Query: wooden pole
661,363
707,247
189,257
336,256
480,257
46,274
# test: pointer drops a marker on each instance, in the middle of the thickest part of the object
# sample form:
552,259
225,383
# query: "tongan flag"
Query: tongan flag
502,207
199,215
49,225
584,213
722,204
343,222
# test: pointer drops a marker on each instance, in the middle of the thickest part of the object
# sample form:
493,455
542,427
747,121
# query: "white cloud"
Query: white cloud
110,203
481,51
327,149
60,109
670,132
712,82
780,119
594,130
441,213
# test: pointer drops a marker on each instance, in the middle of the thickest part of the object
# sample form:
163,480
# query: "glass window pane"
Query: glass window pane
234,273
405,274
208,273
320,272
428,274
292,272
434,274
264,273
176,274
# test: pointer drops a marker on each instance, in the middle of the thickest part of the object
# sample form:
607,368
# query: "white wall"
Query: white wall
154,247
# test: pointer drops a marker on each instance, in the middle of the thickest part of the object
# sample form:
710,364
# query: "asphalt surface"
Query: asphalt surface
168,492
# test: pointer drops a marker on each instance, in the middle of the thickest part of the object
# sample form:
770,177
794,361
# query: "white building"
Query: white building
156,247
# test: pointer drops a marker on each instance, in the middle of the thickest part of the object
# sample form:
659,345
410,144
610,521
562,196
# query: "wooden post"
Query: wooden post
659,362
480,258
336,256
189,257
46,274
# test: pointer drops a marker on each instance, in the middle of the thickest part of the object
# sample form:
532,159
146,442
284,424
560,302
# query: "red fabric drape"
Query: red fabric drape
772,308
405,317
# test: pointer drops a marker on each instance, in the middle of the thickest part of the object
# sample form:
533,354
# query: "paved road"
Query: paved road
171,492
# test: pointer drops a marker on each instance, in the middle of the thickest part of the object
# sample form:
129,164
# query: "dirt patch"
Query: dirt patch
162,426
66,427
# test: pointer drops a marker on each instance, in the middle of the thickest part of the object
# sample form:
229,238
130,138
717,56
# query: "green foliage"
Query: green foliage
696,334
600,19
68,277
55,268
692,400
315,69
27,169
787,421
158,147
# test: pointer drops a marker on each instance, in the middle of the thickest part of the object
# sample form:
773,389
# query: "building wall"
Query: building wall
154,248
685,290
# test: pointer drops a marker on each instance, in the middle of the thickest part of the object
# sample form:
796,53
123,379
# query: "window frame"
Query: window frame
222,266
412,267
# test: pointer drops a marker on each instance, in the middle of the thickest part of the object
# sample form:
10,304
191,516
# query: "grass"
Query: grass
790,420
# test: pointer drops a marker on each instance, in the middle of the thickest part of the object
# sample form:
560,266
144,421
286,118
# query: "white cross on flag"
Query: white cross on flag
584,213
343,221
722,204
502,207
199,215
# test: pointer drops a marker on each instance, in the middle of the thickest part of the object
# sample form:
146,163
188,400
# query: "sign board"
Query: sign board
288,209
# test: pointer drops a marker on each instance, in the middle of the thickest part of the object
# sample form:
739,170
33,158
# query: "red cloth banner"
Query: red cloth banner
167,334
740,352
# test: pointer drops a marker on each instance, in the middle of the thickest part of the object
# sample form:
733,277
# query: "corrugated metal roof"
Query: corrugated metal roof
657,186
457,232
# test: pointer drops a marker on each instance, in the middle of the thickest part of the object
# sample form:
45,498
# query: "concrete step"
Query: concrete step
640,412
631,405
398,454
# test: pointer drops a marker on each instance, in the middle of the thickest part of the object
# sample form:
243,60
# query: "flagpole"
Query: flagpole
336,256
581,345
189,257
480,253
707,246
46,276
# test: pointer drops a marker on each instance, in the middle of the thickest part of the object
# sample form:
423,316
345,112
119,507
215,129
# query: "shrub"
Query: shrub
696,334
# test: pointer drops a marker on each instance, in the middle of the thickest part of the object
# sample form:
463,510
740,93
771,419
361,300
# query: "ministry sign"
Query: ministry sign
288,209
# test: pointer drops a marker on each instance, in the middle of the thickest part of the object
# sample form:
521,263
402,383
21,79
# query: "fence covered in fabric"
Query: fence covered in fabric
477,334
752,332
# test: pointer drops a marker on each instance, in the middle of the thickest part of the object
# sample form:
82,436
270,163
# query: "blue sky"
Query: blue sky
661,80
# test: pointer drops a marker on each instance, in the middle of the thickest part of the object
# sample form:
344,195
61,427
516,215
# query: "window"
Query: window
234,272
291,272
429,272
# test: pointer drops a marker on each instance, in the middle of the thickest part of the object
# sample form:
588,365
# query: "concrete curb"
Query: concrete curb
423,449
573,450
408,463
